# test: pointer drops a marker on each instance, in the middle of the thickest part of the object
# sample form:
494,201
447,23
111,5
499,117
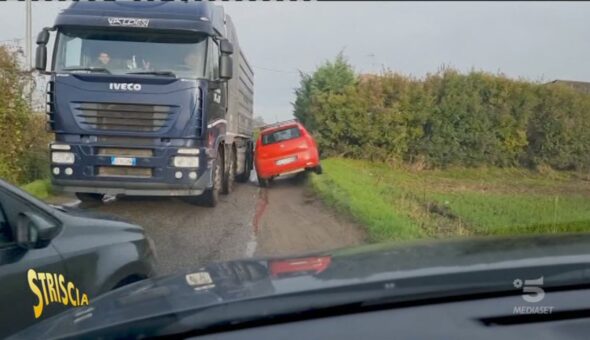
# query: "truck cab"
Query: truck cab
147,99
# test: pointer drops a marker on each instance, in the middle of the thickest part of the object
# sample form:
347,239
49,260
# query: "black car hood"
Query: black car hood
230,283
84,213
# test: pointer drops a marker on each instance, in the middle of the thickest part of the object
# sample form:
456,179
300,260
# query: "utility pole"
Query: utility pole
28,34
29,51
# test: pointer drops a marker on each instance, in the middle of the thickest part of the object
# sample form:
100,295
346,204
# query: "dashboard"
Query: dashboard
559,315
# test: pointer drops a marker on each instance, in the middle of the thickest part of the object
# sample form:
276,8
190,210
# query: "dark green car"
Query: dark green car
56,258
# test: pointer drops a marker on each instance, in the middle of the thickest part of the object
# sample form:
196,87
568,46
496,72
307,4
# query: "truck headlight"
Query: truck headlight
186,162
62,157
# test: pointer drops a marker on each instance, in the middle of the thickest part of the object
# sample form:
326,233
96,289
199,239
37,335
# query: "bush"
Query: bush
35,162
23,139
447,118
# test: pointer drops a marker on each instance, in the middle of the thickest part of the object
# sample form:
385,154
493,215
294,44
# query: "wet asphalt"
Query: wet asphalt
283,220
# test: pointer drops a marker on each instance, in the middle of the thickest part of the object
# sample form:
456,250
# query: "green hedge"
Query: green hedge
447,118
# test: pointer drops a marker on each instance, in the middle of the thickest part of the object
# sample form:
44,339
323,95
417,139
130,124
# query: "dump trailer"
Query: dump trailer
147,98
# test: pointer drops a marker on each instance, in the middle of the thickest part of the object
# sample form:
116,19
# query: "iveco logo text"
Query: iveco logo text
129,22
125,87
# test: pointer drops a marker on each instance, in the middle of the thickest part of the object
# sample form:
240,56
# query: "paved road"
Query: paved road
284,219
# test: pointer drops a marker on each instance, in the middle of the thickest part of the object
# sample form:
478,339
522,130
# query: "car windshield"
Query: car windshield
124,52
231,164
281,135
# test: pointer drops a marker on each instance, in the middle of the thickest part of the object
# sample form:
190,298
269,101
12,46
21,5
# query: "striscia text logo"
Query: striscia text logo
53,288
128,22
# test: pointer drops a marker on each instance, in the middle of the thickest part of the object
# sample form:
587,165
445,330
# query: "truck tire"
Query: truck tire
244,176
210,197
230,175
86,197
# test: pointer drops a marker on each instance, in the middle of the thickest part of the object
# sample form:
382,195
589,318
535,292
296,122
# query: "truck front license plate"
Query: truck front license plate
124,161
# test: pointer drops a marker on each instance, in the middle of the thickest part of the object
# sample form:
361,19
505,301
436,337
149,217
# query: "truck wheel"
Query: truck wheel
210,197
318,169
89,197
230,176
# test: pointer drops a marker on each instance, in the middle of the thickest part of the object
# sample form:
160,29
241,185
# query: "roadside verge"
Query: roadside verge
40,188
402,203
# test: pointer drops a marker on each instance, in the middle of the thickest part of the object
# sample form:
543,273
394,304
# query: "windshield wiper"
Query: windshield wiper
156,73
89,69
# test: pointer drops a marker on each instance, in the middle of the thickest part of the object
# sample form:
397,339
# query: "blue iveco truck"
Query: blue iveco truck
147,98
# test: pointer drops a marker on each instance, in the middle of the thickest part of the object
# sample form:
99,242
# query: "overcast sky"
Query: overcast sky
538,41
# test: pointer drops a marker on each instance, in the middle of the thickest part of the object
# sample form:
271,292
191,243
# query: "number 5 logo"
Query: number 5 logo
533,293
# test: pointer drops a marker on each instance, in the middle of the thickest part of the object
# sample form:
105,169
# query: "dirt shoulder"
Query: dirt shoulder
290,220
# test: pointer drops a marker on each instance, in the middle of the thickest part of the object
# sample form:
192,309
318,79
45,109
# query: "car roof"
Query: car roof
281,125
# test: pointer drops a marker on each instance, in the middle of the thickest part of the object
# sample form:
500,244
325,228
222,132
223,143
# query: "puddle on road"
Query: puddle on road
261,204
252,243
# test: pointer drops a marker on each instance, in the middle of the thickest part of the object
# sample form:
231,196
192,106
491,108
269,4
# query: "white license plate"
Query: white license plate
124,161
286,160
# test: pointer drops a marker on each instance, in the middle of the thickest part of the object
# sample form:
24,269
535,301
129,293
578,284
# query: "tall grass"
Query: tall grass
401,203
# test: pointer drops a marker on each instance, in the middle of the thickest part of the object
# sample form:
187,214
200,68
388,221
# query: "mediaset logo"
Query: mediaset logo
532,293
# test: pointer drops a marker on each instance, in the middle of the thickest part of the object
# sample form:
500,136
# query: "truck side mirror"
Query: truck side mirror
41,51
226,67
43,37
226,47
41,58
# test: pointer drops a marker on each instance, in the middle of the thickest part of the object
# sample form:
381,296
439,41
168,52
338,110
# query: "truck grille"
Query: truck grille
125,152
124,117
123,171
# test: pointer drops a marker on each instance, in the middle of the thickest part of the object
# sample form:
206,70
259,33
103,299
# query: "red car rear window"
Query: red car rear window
281,135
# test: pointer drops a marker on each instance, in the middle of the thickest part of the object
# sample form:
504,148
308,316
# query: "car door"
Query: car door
17,294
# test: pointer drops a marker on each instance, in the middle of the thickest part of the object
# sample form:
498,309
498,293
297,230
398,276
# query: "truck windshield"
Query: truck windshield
124,52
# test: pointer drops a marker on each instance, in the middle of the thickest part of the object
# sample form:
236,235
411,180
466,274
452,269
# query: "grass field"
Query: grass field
40,188
404,204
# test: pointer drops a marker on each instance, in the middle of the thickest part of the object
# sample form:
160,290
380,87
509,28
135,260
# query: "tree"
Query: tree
258,122
330,78
14,114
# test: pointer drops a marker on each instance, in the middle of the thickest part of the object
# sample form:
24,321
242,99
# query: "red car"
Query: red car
285,148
